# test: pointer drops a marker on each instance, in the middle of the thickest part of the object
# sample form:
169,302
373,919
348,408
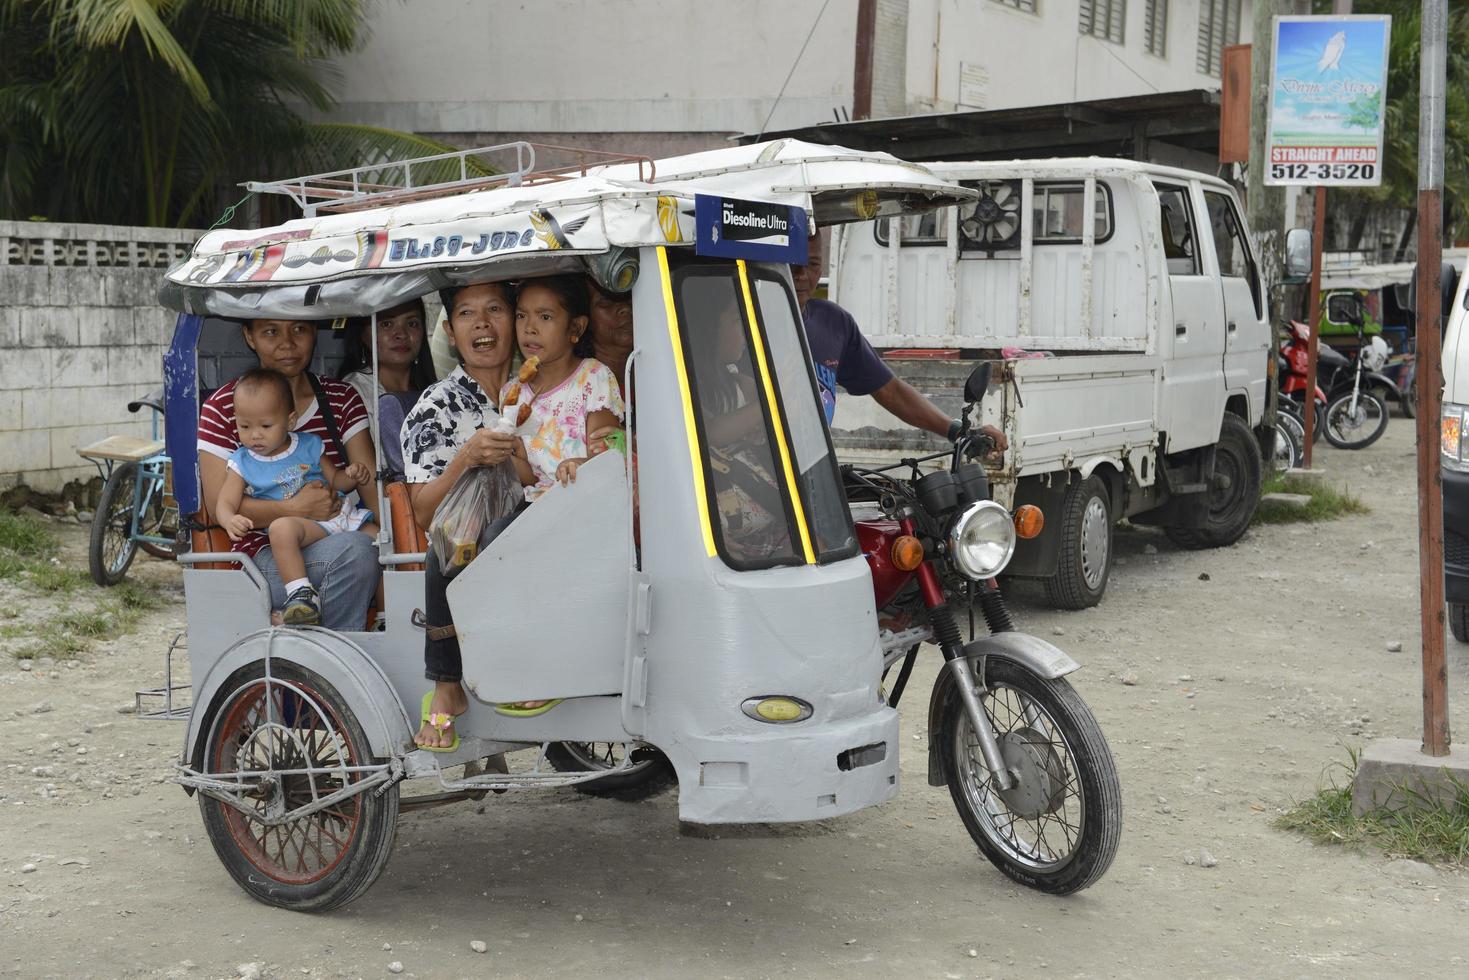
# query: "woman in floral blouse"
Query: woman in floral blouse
448,432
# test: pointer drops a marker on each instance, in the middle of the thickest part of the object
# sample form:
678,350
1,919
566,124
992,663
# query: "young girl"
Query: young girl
570,395
273,463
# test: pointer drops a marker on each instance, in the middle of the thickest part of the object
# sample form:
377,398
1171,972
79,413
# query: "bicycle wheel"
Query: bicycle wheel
112,547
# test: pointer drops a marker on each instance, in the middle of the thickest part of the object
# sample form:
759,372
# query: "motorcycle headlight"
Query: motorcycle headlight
983,540
1451,437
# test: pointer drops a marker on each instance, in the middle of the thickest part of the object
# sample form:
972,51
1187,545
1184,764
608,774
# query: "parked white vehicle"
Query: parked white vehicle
1454,448
1134,346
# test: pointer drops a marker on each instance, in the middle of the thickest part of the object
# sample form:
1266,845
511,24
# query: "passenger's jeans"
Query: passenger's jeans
441,658
343,568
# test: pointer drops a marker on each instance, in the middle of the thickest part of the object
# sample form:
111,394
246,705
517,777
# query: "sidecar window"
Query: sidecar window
753,519
817,476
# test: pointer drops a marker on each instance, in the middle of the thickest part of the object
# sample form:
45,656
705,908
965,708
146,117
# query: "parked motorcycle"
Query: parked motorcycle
1024,759
1354,416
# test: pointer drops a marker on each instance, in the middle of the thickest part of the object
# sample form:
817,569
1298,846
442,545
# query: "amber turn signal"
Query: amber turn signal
1028,521
907,552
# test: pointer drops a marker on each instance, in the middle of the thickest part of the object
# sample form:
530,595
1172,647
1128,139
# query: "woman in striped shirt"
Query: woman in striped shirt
342,567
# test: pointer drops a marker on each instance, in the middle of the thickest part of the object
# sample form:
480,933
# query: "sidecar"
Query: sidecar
752,668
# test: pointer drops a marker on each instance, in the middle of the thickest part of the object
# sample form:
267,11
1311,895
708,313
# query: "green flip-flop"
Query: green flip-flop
440,721
511,711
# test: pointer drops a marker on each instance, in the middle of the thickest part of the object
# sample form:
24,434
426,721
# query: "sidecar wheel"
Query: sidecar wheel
298,721
1057,829
649,773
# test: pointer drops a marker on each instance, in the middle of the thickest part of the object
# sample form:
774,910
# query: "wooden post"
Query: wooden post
1430,376
1318,233
862,71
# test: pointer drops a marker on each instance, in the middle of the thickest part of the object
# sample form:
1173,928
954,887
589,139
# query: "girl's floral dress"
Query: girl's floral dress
557,427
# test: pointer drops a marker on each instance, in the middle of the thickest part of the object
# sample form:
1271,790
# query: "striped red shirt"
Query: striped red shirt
217,433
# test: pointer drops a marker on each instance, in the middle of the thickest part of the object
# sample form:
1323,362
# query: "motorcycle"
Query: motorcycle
1024,759
1349,414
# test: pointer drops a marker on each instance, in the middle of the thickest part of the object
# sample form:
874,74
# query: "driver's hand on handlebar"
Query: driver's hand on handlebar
998,438
316,501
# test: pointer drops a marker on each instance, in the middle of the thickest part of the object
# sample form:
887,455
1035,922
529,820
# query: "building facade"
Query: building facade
664,76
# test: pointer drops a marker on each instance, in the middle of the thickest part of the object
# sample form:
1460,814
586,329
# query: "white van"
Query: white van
1134,346
1454,452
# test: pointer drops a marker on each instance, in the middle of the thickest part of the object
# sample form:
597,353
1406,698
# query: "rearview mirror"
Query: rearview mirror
1298,255
978,383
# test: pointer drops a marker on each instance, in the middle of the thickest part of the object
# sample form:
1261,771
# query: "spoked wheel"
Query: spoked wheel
649,772
112,547
303,746
1355,423
1057,828
1288,442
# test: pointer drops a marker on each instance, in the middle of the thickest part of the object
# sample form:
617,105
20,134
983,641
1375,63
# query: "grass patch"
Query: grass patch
26,536
96,623
58,578
58,646
1426,831
1327,503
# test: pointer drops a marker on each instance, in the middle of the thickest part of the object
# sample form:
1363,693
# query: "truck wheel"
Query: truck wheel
1085,558
1235,493
1459,621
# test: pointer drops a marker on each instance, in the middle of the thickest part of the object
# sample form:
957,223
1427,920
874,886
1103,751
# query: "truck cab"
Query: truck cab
1125,305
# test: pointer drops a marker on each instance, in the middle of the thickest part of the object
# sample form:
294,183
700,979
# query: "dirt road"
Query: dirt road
1247,686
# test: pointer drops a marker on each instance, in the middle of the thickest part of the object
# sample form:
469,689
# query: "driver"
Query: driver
842,356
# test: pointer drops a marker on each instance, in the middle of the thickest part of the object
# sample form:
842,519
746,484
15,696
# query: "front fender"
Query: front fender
1031,652
339,661
1377,378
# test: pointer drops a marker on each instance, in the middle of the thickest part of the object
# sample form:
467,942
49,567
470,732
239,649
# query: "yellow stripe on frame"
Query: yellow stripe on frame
774,408
695,456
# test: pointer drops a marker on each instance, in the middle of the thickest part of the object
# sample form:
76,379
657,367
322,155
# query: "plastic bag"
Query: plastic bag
480,497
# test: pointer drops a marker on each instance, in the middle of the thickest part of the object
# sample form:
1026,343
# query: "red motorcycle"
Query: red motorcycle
1024,759
1349,412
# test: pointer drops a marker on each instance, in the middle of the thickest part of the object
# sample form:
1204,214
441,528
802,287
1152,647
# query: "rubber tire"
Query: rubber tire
629,787
367,854
1459,621
1376,433
1408,404
1286,429
118,490
1236,439
1068,589
1097,770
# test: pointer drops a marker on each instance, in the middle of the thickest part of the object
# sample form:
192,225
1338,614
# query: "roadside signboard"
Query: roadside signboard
1328,95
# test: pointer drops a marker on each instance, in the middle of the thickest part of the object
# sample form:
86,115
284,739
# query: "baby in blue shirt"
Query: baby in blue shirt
274,463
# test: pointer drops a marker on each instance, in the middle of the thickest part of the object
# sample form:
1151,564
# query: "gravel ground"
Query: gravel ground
1225,699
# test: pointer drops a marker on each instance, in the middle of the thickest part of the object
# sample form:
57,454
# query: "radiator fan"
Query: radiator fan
992,223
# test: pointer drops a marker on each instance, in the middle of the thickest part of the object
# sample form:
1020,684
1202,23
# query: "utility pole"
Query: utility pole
1431,85
862,70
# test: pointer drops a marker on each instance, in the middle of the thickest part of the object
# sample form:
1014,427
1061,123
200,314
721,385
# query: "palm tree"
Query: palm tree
146,111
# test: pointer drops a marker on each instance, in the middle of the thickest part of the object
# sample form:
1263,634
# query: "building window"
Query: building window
1155,28
1026,5
1218,26
1104,19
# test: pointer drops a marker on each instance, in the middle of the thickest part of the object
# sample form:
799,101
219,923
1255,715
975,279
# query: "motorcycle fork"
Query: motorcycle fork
951,644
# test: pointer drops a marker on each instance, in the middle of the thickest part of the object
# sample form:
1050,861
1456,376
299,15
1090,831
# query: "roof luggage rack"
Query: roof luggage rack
400,181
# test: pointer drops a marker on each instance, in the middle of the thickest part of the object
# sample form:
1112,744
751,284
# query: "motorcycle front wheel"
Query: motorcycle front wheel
1355,426
1057,828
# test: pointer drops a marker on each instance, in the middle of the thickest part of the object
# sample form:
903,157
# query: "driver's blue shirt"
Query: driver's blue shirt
841,355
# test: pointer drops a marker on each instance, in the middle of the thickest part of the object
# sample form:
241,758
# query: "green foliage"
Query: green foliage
26,536
1327,503
149,111
1424,829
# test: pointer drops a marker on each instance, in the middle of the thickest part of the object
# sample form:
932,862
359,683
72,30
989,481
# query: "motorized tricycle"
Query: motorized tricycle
750,664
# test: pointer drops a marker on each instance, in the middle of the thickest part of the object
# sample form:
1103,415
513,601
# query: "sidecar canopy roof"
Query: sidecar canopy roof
347,263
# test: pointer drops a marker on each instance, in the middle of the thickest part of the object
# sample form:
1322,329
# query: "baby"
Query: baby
273,463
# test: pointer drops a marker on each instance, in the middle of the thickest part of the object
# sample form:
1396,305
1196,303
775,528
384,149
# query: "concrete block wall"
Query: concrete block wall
81,335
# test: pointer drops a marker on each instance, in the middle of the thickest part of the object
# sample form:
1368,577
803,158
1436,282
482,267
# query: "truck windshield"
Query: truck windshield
770,475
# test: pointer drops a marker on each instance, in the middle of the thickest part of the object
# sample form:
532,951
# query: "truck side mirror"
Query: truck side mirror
978,384
1298,255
